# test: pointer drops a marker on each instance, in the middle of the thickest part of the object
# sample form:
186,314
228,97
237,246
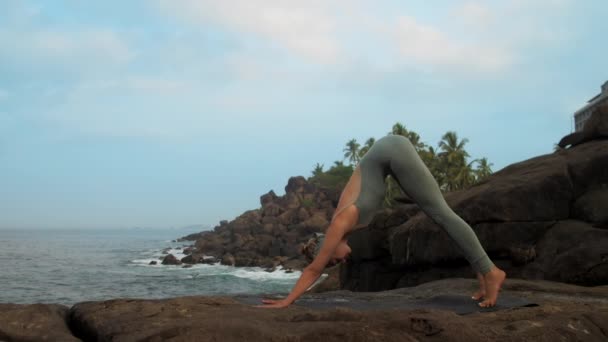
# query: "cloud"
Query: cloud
472,39
58,47
421,44
306,29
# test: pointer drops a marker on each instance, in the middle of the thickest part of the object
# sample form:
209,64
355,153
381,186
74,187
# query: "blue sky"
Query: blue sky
169,113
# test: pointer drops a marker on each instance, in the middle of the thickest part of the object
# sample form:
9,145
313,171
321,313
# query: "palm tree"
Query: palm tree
368,144
351,151
399,129
464,176
414,138
484,169
318,170
453,161
338,164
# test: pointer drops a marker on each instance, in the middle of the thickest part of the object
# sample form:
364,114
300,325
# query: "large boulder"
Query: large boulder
592,207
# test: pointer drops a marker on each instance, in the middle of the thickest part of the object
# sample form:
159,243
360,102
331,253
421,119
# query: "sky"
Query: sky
163,113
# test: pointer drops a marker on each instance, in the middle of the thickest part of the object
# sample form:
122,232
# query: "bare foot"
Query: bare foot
482,288
494,280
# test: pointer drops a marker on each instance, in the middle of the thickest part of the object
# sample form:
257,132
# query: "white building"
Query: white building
583,114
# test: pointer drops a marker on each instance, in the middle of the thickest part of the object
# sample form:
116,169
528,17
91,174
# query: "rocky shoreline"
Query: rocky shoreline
564,312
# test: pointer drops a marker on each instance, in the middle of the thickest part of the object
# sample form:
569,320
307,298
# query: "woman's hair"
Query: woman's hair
312,247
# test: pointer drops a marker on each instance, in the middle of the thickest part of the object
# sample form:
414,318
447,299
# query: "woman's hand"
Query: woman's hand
274,304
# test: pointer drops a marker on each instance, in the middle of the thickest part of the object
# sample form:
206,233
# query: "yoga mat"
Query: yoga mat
459,304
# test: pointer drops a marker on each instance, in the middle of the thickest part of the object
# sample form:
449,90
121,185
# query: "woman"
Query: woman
392,155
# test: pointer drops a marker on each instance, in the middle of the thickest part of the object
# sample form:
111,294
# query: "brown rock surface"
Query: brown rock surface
35,322
565,313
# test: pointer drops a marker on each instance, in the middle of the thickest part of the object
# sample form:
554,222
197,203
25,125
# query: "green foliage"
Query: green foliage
336,177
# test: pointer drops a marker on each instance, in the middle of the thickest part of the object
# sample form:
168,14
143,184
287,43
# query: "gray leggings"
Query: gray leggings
395,155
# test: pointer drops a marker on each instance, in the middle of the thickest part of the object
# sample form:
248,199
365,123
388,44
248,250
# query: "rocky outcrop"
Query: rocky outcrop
596,127
564,313
543,218
271,235
170,259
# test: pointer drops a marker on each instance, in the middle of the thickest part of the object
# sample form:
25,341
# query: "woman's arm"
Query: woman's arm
335,233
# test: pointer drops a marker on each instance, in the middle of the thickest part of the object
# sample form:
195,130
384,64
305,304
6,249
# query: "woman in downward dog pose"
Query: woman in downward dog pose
392,155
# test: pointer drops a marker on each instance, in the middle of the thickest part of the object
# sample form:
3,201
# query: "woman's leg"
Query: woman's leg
417,181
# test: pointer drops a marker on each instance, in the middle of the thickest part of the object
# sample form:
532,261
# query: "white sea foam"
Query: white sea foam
257,274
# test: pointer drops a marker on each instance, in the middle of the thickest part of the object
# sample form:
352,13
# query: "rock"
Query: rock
34,322
153,262
212,244
228,259
295,184
291,201
194,258
302,214
596,127
318,222
593,206
574,252
166,250
272,210
330,283
191,237
171,260
209,261
294,264
565,313
268,198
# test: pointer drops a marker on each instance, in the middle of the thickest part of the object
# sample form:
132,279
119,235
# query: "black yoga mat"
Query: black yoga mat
459,304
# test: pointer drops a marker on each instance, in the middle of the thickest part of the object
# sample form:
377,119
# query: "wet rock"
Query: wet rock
228,260
171,260
209,261
194,258
153,262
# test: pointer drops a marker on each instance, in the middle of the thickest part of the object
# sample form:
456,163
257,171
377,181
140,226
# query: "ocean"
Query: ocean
70,266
